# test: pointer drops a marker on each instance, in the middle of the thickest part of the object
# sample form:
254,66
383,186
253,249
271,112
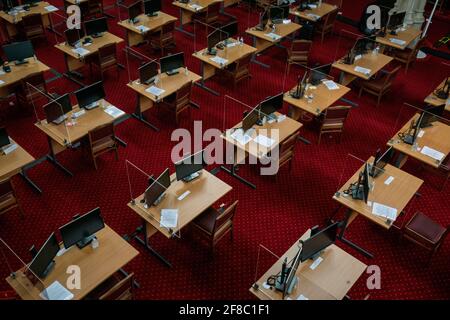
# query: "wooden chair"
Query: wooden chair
298,53
164,38
238,71
333,121
31,27
8,198
101,140
211,16
287,151
215,224
326,26
107,59
408,56
379,86
425,232
31,89
178,101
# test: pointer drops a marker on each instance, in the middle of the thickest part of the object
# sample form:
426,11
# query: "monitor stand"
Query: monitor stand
152,14
172,72
393,32
408,139
19,62
86,241
97,35
192,177
159,200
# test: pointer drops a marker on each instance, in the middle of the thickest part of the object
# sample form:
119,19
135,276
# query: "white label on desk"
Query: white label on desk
184,195
281,118
397,41
56,291
169,218
421,133
232,44
81,51
363,70
384,211
142,29
9,148
316,263
87,44
358,57
2,72
312,6
432,153
155,91
389,180
264,141
51,8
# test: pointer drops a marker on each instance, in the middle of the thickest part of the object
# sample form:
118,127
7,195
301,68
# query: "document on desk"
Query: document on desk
142,29
196,7
432,153
114,112
219,60
313,16
155,91
240,137
264,141
56,291
384,211
169,218
81,51
363,70
273,36
232,44
331,85
397,41
287,21
51,8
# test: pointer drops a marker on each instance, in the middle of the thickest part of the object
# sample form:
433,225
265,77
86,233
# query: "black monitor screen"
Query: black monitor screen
9,4
250,119
272,104
45,256
152,6
365,182
4,138
157,188
276,13
397,20
148,71
135,10
231,29
319,74
73,36
319,242
172,62
96,26
18,51
215,37
58,108
90,94
384,159
431,115
264,18
81,228
189,165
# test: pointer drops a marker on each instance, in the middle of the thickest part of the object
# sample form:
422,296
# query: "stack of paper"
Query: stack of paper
331,85
219,60
363,70
397,41
51,8
273,36
432,153
264,141
56,291
81,51
384,211
114,112
155,91
169,218
142,29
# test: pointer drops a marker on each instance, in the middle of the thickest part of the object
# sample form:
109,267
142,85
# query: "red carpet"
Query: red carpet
274,215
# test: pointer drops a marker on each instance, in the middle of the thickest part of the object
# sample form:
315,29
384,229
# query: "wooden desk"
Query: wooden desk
232,54
62,136
13,163
19,72
310,14
369,61
331,280
10,21
408,35
396,195
323,99
187,12
134,36
96,266
74,62
204,192
433,100
435,137
146,100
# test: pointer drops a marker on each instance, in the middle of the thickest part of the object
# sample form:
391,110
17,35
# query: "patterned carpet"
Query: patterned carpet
274,215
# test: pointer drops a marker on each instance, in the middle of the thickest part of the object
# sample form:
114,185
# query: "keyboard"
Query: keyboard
92,105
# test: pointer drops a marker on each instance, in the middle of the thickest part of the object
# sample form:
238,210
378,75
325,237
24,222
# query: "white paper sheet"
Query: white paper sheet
219,60
384,211
331,85
142,29
239,136
273,36
56,291
397,41
81,51
437,155
114,112
169,218
155,91
51,8
264,141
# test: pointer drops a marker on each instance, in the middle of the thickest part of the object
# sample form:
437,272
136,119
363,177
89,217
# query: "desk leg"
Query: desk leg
181,27
344,224
139,116
256,53
233,173
51,157
125,274
147,246
27,179
72,75
202,84
223,12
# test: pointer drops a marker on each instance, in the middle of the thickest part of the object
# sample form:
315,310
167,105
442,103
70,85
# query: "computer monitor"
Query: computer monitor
318,242
89,96
73,36
4,138
148,72
81,230
19,51
380,161
444,92
151,7
250,119
31,3
271,105
57,109
170,64
155,192
396,20
213,39
134,11
365,183
96,27
9,4
320,73
190,167
263,20
231,29
276,14
431,114
43,261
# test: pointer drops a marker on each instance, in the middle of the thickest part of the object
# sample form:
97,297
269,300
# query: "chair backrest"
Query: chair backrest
243,63
337,113
123,290
6,188
101,132
107,51
301,47
214,10
183,95
289,144
226,216
390,76
32,20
